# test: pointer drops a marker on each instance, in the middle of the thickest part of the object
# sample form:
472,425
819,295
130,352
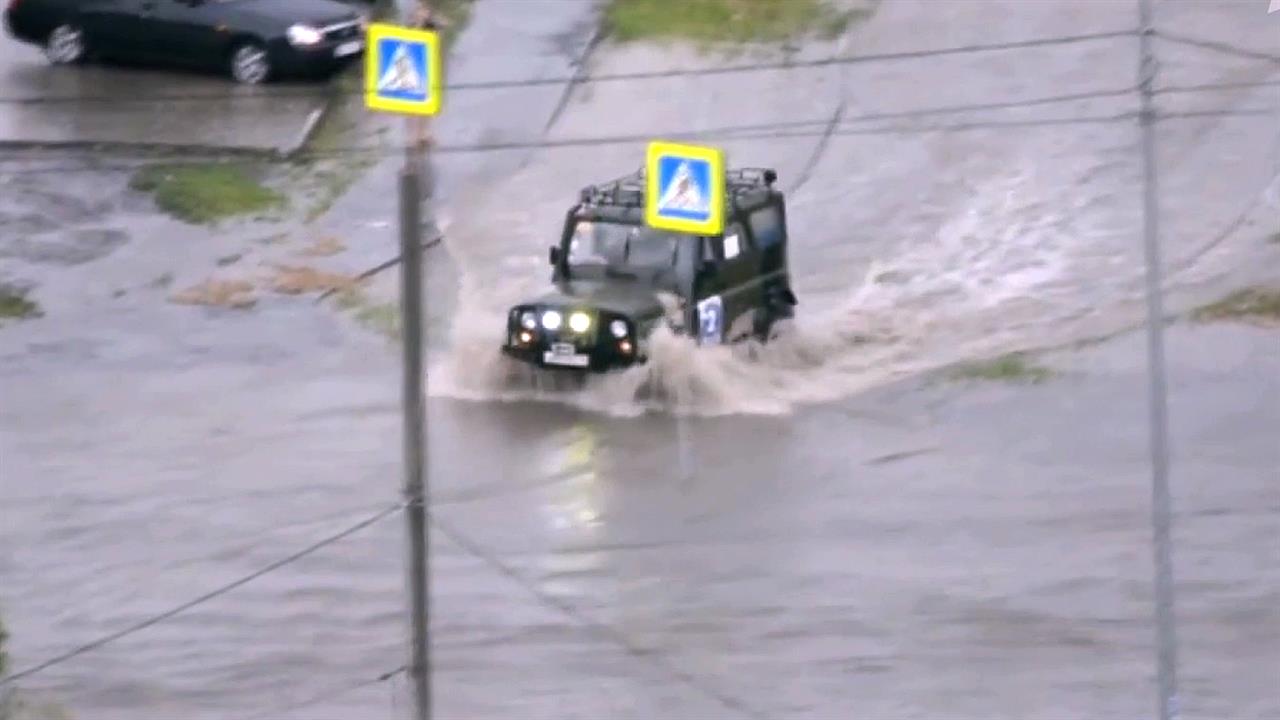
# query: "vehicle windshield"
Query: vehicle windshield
621,247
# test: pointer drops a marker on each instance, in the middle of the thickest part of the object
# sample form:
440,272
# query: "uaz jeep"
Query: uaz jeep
615,278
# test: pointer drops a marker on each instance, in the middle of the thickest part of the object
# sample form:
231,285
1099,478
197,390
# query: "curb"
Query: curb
309,127
134,147
287,152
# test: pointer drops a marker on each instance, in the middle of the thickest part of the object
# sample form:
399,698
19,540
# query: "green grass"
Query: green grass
382,318
712,21
1014,367
1255,303
206,193
14,305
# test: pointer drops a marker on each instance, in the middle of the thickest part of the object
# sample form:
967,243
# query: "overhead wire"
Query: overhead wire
778,131
602,629
578,80
1216,45
202,599
279,711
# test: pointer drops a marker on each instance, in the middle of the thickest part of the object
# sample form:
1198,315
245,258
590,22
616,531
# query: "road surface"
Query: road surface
832,535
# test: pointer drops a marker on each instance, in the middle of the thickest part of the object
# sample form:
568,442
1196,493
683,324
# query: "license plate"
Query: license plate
348,48
551,357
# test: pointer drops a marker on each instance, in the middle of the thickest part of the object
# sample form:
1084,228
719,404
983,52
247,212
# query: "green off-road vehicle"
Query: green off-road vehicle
615,278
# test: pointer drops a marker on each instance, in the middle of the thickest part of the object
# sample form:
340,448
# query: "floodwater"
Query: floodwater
825,536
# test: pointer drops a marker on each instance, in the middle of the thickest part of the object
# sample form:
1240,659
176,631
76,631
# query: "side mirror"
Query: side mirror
554,255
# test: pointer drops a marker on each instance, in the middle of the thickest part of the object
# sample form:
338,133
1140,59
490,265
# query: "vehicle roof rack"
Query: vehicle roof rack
628,190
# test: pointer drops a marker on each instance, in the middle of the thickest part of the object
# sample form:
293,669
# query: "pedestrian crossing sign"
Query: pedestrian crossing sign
402,70
684,188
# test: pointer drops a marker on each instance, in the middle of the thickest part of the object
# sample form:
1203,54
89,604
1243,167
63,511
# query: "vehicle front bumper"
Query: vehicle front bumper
595,359
312,60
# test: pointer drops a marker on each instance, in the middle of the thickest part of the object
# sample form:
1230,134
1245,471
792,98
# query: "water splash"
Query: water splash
1001,268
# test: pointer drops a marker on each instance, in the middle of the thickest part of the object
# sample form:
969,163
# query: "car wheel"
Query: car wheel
65,45
250,64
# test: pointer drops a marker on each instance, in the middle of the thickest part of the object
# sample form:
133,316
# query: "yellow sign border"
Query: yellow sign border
378,32
714,224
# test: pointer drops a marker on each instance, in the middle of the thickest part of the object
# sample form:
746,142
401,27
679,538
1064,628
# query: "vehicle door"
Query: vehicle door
728,290
767,224
185,32
114,28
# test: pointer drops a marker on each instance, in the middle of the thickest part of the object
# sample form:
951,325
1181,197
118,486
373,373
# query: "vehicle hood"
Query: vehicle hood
633,299
280,14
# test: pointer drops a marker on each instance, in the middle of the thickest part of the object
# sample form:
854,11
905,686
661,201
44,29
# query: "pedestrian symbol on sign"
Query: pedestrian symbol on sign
683,193
401,76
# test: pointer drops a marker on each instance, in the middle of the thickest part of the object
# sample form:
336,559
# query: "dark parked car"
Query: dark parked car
252,40
616,279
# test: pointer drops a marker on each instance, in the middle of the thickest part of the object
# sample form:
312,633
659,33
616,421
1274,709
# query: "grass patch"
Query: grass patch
236,294
291,280
324,247
708,21
1254,304
1014,367
382,318
206,193
14,305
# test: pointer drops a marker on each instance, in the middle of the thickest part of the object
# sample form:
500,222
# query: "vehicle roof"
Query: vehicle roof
622,199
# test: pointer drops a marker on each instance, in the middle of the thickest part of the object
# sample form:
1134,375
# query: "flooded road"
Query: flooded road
830,535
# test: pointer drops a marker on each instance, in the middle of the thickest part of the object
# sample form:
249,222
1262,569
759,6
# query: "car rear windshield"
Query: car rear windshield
622,246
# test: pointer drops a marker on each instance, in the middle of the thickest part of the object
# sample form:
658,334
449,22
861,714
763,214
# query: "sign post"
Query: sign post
685,192
402,75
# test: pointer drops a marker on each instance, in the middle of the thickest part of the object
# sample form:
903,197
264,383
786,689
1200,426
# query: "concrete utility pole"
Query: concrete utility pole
1161,513
415,204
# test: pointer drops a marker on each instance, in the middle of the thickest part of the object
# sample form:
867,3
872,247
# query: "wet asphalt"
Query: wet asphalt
920,549
114,104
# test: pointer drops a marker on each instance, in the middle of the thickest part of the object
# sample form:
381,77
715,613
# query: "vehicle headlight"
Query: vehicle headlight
579,322
528,321
618,328
303,35
551,320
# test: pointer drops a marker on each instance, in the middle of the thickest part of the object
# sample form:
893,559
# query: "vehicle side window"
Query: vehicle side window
766,225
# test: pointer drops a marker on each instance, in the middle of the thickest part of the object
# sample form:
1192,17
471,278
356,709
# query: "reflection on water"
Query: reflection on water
576,504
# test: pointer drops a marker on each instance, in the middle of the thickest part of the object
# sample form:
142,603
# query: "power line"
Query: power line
276,712
1216,45
593,79
1209,87
607,631
778,131
156,619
